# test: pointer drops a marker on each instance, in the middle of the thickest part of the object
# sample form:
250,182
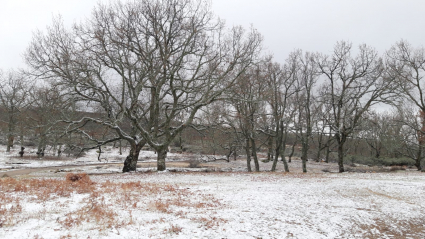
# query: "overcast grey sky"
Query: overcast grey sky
310,25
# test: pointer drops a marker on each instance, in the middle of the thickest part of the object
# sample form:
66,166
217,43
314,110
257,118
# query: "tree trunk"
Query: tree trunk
319,147
60,150
276,157
378,153
270,149
292,152
283,149
55,147
304,153
341,157
282,155
328,151
231,151
280,148
318,154
130,162
10,139
161,155
248,156
21,153
254,154
41,146
341,139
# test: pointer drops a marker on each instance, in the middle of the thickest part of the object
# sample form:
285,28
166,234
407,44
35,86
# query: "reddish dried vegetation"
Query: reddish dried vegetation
105,205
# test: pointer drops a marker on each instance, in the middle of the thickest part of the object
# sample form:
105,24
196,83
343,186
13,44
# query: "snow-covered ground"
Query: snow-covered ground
11,160
238,205
214,205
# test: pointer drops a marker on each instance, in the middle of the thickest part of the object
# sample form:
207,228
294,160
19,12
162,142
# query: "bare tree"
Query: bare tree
220,134
282,87
406,66
306,75
353,85
13,98
376,131
145,63
248,101
49,103
321,130
411,134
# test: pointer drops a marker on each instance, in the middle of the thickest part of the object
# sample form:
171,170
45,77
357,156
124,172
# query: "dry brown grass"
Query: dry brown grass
95,211
181,200
174,229
393,228
209,222
107,205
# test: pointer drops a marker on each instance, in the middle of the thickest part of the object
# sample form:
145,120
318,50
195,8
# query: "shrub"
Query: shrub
396,168
194,163
383,161
77,177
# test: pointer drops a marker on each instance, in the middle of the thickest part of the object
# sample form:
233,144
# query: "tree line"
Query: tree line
143,72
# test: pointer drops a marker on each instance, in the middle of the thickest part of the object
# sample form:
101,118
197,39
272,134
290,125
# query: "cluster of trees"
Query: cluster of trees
331,99
30,110
144,71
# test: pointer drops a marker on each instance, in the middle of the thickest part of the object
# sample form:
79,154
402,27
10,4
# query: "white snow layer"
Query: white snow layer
258,205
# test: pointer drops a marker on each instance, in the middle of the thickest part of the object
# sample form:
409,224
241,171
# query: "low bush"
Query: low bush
396,168
382,161
83,177
194,163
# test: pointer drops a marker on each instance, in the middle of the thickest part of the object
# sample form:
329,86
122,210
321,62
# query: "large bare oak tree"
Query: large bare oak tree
151,65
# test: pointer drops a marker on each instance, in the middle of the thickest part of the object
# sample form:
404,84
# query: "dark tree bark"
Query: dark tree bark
304,154
161,155
248,155
254,154
280,147
328,151
130,163
41,145
292,151
270,148
341,139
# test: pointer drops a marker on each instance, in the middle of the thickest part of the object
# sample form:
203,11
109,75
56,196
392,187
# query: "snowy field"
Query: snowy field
12,160
108,204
